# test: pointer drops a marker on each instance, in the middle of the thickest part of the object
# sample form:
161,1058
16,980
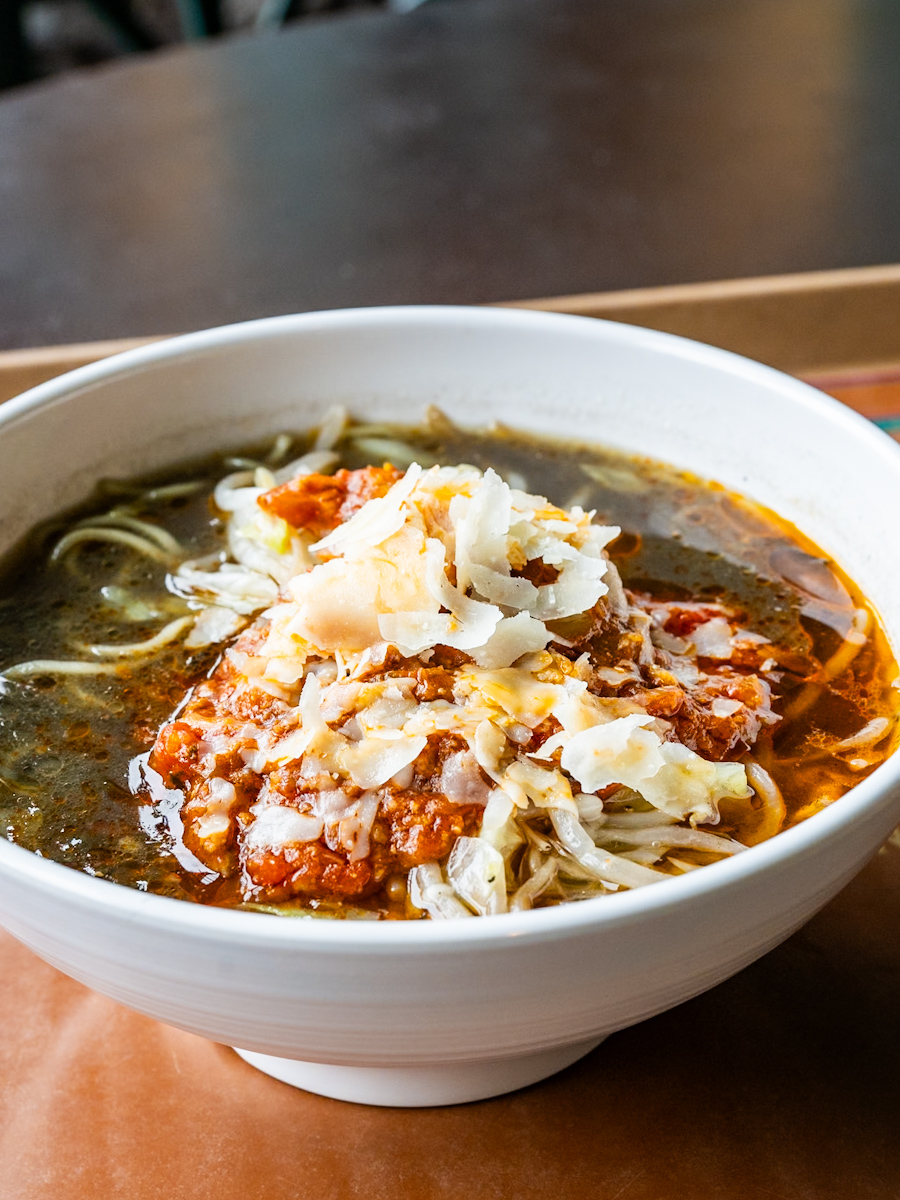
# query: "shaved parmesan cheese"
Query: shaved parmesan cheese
511,639
689,786
712,639
338,605
482,526
547,788
489,747
621,751
373,761
425,617
277,827
462,781
498,824
375,522
670,776
515,693
356,826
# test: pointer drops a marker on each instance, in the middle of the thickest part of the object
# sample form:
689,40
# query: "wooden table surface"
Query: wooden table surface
473,150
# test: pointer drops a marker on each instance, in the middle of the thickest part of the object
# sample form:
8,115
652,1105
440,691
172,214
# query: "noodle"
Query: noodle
121,537
455,762
140,649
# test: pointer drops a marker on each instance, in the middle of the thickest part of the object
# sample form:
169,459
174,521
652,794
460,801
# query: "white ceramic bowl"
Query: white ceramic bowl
433,1013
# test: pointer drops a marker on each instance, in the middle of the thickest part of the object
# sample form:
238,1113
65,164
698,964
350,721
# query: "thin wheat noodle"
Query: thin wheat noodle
57,666
170,491
120,537
332,428
770,793
856,638
280,447
600,863
167,634
243,464
869,735
116,518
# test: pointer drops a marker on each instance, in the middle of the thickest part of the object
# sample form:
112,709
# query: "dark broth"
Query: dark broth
68,784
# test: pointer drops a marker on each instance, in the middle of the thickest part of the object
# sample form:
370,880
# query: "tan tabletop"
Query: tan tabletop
783,1082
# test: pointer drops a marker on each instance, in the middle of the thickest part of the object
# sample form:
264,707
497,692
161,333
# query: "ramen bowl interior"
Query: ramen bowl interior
416,1013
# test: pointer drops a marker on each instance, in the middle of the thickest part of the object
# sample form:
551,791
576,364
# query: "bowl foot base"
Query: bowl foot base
419,1087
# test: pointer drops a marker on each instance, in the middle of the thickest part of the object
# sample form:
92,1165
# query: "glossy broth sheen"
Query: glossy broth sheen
68,782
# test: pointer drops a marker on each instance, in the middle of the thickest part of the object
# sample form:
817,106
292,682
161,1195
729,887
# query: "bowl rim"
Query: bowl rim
219,925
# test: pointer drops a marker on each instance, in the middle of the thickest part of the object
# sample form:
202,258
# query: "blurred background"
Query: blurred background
45,37
336,153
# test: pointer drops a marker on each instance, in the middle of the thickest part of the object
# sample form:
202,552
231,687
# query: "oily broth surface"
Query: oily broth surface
67,744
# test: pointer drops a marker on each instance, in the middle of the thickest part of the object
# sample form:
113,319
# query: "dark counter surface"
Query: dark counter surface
473,150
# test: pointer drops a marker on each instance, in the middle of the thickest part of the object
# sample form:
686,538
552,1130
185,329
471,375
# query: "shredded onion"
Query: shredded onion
533,887
429,891
599,863
673,835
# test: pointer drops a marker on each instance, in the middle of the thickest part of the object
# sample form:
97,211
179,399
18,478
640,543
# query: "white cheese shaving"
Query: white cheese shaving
721,707
712,639
376,521
373,761
277,827
670,776
462,781
498,823
440,562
